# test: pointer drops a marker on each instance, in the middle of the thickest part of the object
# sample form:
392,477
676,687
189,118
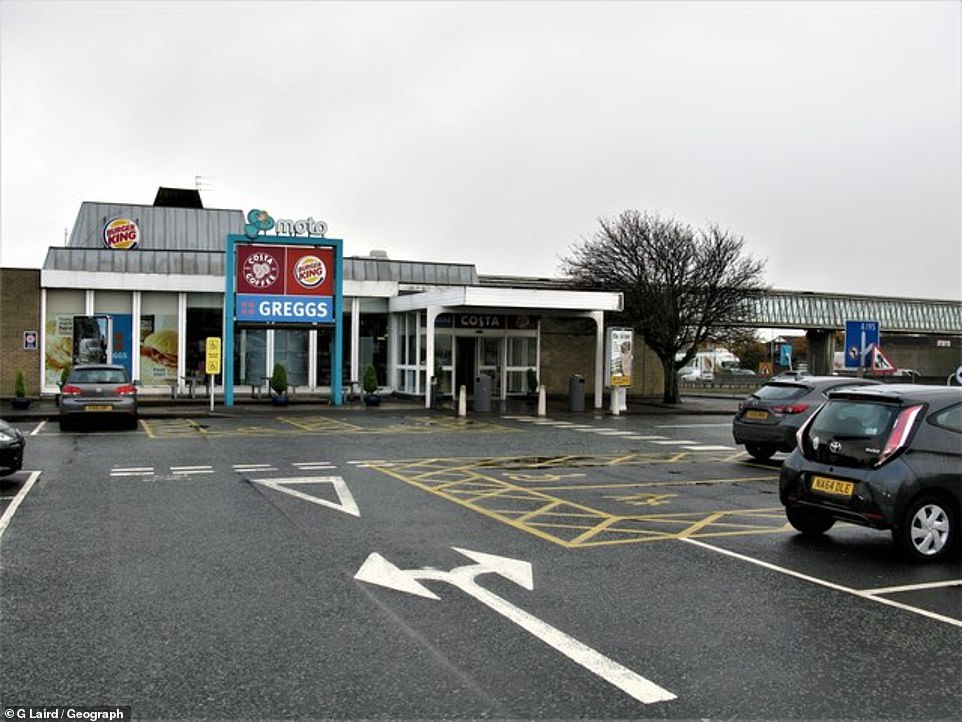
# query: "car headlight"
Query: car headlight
6,436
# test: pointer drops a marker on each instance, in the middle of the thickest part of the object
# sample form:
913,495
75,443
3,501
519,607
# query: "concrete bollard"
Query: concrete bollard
542,401
463,401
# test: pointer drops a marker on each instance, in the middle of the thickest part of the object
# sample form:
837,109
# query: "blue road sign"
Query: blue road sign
860,336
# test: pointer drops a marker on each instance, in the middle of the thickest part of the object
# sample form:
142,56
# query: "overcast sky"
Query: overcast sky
827,134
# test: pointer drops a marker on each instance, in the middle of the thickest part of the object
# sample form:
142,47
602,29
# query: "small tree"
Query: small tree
370,379
19,385
279,379
681,287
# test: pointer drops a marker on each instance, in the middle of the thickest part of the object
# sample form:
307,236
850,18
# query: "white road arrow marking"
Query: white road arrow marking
378,570
345,500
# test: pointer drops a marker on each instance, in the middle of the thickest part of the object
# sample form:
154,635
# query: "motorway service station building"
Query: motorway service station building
146,285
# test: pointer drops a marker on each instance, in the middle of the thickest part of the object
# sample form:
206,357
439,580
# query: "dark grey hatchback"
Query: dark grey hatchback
768,420
887,457
98,392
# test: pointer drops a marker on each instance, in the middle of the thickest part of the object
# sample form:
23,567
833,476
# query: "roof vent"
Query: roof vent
178,198
378,254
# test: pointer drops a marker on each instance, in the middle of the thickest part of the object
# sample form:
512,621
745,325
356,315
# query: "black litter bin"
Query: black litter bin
576,393
482,393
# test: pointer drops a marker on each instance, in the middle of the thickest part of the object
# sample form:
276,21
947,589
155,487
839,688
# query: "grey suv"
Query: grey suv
887,457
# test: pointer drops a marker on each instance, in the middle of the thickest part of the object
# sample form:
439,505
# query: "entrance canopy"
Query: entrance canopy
591,304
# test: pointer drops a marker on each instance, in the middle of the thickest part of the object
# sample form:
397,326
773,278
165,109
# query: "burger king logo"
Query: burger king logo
310,271
121,234
260,270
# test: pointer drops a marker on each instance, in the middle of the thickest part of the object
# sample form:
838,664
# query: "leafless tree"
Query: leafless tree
682,287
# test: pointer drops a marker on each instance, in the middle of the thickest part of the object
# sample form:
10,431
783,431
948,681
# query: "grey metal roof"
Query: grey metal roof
211,263
412,272
161,228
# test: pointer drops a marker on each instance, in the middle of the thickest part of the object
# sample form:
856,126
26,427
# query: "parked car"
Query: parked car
768,420
98,391
792,375
12,445
886,457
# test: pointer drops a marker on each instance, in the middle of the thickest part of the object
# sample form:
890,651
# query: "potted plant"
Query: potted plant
369,382
532,378
279,385
20,400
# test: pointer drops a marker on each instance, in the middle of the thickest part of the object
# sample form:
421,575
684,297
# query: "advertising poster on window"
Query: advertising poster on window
158,347
58,347
122,340
620,356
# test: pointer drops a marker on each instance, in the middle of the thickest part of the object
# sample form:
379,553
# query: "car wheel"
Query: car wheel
928,531
762,452
810,522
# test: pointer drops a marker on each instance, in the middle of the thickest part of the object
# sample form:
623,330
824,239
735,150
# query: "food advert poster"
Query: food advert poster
58,347
158,348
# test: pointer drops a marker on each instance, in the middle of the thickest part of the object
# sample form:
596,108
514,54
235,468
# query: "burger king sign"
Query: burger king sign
121,234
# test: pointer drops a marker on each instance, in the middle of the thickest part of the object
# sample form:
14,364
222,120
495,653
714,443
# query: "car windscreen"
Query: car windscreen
781,392
850,433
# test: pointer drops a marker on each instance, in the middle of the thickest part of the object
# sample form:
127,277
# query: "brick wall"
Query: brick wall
19,312
568,347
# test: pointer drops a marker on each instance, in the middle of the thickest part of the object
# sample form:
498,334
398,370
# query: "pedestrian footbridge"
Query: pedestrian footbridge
827,311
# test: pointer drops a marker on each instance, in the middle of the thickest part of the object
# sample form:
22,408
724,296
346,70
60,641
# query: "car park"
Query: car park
886,457
768,420
12,445
98,392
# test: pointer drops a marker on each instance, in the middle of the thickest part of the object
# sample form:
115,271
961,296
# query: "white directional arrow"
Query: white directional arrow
378,570
345,500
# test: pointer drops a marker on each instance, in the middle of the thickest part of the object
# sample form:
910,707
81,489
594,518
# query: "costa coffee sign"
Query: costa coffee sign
285,270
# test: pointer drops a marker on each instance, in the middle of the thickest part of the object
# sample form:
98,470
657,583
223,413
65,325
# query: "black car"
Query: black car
768,420
12,444
886,457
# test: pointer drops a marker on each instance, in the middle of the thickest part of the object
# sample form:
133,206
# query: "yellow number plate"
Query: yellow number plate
756,415
835,487
99,407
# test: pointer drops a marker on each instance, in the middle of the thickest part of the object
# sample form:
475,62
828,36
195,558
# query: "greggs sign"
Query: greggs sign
284,284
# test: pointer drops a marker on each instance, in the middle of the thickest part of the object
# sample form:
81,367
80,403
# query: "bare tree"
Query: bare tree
682,287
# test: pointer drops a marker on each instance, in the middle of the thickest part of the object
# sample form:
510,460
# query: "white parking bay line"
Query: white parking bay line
871,594
132,471
708,447
17,500
674,442
188,470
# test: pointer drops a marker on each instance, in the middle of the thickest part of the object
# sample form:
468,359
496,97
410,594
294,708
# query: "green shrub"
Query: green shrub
279,379
370,379
20,385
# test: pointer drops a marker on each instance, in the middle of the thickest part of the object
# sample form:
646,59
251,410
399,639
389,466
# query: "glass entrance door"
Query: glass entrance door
490,361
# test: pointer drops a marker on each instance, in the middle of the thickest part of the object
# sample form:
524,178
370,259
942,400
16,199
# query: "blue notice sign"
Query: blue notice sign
284,309
860,336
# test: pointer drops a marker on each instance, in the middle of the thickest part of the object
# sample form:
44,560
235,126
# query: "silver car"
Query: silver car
96,393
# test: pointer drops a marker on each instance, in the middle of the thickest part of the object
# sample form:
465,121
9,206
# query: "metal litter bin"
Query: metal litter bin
482,393
576,393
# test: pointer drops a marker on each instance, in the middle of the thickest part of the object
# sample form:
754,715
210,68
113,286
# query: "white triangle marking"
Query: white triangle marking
345,500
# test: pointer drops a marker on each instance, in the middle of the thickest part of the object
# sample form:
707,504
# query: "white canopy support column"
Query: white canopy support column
599,319
431,312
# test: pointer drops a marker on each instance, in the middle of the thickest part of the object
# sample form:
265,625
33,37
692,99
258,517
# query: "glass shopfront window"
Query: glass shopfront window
117,305
250,356
205,313
158,337
62,306
291,349
522,360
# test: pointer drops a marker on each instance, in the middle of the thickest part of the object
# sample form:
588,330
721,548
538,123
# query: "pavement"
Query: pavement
46,408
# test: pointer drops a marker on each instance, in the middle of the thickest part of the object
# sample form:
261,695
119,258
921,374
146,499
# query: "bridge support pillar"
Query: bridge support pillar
821,351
